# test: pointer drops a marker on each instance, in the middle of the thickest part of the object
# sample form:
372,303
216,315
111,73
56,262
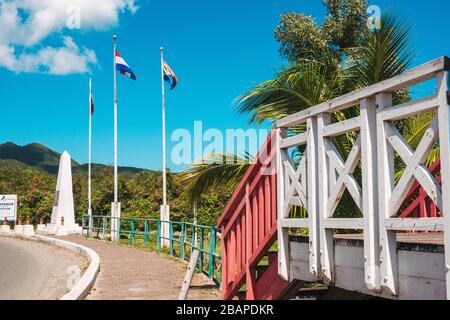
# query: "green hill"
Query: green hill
40,156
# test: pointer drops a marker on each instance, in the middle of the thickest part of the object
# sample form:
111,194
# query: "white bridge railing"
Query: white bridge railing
318,182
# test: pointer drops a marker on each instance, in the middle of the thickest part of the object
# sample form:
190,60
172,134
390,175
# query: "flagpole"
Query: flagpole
115,127
115,206
165,210
163,130
89,157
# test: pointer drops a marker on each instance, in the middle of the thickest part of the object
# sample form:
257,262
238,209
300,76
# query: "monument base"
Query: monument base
18,228
5,229
60,230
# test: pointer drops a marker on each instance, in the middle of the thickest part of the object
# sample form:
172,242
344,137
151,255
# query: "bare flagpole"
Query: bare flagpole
116,197
89,158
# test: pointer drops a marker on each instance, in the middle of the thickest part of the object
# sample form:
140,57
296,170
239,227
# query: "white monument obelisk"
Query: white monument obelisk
63,213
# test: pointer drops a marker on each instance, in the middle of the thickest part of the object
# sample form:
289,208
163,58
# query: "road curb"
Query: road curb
85,284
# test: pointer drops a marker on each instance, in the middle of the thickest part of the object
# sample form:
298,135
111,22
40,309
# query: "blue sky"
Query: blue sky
217,48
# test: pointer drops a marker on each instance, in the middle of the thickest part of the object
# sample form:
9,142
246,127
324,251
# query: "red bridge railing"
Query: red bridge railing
422,206
249,229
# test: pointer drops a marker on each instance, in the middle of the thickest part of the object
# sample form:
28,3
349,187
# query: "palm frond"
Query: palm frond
294,89
215,172
385,52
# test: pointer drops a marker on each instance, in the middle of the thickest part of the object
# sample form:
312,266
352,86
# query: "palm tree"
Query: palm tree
385,53
215,171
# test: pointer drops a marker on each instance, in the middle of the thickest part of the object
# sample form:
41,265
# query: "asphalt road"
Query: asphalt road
36,271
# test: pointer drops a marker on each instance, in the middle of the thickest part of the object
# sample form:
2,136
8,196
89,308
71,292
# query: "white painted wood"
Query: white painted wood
414,76
189,275
411,108
313,197
345,179
416,224
293,141
414,161
343,223
295,195
444,139
326,235
342,127
421,274
300,262
294,223
292,201
282,233
322,176
370,193
388,242
426,265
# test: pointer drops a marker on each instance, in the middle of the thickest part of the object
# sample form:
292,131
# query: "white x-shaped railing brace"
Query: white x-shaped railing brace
415,168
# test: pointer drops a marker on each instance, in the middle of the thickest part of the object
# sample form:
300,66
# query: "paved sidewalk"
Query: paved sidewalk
128,274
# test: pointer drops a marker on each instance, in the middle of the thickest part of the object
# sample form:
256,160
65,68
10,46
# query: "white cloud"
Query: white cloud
57,61
25,24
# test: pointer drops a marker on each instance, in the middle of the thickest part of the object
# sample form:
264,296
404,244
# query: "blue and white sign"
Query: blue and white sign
8,207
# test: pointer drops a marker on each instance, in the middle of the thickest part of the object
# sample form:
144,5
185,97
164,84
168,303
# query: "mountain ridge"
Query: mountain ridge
40,156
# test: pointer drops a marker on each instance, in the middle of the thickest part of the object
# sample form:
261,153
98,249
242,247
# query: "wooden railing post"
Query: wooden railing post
325,235
283,233
248,224
313,192
444,138
388,242
370,193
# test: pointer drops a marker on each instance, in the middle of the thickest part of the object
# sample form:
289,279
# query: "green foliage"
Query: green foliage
344,27
386,53
35,188
217,171
140,195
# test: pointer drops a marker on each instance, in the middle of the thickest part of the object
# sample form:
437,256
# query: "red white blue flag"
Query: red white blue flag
123,67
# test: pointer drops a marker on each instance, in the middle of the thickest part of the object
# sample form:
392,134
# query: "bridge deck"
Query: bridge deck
420,264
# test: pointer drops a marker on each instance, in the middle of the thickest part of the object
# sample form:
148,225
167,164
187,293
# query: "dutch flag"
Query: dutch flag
123,67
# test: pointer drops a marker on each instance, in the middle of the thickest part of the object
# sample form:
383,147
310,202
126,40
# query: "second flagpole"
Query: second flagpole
165,209
90,160
115,208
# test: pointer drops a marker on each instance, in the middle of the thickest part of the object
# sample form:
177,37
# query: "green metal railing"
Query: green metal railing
147,234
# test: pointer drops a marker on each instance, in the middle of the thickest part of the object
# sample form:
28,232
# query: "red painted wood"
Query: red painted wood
422,206
251,284
249,229
271,286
